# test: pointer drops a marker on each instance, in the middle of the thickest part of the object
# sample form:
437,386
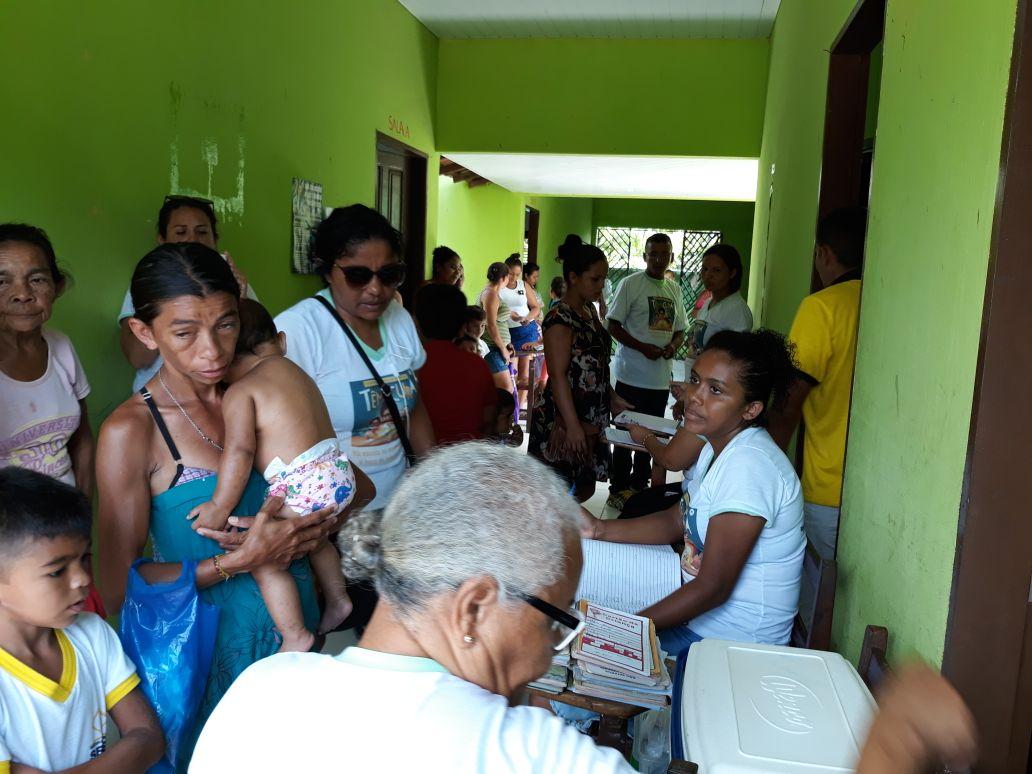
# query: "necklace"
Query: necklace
183,412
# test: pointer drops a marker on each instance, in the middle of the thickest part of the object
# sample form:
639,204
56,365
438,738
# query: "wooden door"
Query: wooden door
401,198
988,649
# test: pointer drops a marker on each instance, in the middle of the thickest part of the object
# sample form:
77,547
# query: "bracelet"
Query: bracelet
646,437
217,561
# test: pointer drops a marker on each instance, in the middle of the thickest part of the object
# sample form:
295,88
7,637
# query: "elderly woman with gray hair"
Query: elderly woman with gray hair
476,594
474,601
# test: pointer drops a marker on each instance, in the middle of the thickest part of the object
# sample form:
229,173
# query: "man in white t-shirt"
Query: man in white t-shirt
648,321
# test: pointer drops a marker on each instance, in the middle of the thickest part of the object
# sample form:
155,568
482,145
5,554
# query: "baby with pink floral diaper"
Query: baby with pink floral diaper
273,411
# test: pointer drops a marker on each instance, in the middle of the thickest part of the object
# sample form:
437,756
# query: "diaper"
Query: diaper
319,477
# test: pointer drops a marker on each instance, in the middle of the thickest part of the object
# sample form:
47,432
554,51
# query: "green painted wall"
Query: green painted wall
940,123
482,224
790,160
108,93
648,97
734,219
485,224
559,216
944,78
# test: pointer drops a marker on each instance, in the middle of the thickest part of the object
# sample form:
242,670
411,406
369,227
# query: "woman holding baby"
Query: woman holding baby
157,458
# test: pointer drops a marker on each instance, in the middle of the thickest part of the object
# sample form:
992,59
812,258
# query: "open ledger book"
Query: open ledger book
627,577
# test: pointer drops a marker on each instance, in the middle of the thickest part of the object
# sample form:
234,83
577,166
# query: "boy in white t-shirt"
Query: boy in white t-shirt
62,671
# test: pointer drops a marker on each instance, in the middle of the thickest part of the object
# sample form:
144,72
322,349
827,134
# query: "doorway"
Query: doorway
988,649
531,222
401,198
850,127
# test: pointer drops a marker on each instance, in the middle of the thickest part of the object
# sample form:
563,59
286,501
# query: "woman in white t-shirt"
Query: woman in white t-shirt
43,421
741,513
357,254
474,602
725,310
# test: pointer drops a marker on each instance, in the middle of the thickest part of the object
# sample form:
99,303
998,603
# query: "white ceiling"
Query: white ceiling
596,18
649,177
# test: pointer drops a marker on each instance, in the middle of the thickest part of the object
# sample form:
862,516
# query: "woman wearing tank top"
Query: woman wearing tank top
157,459
524,309
500,353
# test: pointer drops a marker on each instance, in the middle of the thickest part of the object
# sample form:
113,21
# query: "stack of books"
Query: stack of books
557,676
617,657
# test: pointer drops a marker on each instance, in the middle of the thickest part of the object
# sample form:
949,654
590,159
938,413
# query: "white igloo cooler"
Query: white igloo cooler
742,709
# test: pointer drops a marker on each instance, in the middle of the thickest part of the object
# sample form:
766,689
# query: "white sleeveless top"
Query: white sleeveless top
516,300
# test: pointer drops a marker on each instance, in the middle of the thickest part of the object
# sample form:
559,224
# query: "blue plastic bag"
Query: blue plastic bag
169,633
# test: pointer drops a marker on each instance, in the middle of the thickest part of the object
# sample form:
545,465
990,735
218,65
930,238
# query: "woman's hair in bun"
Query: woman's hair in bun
359,544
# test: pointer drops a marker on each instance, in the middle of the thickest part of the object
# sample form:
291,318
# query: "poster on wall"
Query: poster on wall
307,204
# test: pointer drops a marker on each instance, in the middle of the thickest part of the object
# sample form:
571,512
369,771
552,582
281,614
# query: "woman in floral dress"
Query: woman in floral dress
575,408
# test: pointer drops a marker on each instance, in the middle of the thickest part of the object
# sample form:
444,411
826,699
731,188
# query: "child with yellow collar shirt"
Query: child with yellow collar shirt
62,671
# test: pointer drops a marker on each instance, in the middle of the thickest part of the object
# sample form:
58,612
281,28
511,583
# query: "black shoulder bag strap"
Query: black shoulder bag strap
385,391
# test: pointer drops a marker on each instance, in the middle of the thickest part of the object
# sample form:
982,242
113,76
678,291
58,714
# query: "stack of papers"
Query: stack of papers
658,425
617,657
619,437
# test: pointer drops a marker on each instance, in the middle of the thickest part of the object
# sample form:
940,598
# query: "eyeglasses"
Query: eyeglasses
571,620
390,276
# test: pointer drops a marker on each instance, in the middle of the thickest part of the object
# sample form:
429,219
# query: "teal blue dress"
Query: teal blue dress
246,632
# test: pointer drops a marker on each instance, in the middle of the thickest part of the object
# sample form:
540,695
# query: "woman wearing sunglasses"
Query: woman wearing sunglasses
475,600
180,219
352,336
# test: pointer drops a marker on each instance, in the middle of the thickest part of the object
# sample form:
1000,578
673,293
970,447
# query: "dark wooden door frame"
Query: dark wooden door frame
845,122
989,601
532,224
413,212
845,112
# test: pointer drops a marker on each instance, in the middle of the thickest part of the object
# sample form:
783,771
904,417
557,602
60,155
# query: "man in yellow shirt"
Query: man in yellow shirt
824,333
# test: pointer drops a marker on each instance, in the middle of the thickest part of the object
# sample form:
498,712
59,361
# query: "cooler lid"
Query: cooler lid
749,708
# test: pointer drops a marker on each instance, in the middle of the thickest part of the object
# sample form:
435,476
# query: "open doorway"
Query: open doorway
850,127
401,198
531,222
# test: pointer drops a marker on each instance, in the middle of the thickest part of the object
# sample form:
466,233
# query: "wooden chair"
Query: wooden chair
873,665
812,625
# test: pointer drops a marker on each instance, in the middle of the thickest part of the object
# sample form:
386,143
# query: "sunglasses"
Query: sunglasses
570,620
390,276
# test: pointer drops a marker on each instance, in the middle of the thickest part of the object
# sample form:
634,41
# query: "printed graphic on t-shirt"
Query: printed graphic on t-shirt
99,746
691,557
697,336
374,425
42,446
661,313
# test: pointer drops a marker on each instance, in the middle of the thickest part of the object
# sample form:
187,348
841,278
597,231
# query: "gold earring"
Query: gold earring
468,639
